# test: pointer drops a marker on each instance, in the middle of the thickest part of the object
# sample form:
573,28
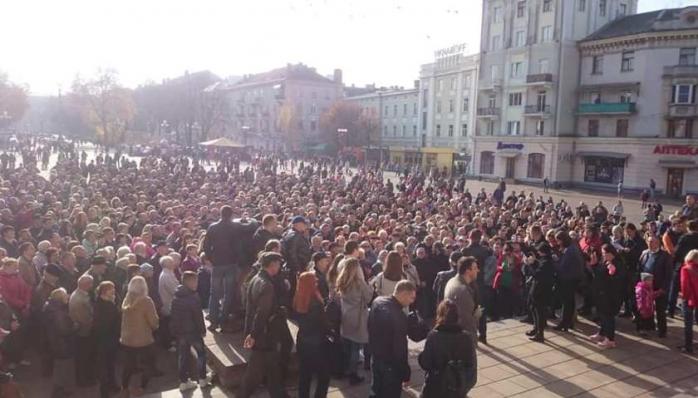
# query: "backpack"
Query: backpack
453,378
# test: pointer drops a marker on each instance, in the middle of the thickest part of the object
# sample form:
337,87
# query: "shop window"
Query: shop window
603,170
536,162
680,128
487,162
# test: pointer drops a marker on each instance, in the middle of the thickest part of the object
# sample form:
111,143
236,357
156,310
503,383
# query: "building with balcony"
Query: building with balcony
636,116
281,108
528,84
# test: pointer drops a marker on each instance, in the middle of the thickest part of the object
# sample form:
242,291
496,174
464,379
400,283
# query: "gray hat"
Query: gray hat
146,267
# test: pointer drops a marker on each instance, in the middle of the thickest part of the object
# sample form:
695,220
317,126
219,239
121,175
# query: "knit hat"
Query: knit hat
646,275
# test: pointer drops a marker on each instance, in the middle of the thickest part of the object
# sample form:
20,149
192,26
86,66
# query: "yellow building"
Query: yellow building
427,158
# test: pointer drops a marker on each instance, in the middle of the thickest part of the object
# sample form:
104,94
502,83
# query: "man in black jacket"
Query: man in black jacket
657,262
686,243
265,233
296,249
475,249
188,328
387,339
443,277
262,309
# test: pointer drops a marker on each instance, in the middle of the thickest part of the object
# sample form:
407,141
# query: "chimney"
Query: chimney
338,76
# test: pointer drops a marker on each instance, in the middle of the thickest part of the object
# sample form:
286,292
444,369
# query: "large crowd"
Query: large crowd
112,260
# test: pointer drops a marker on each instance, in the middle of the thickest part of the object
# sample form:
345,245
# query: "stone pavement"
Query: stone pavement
567,365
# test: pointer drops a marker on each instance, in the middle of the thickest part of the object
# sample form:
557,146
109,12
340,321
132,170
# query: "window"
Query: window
515,99
520,9
597,65
540,127
394,131
595,97
622,128
680,128
593,128
450,106
404,130
687,56
626,63
543,65
492,101
487,162
468,81
438,130
490,127
683,94
453,83
520,38
464,130
466,104
438,106
516,69
541,100
536,162
547,5
394,110
414,130
414,109
404,109
602,8
313,125
386,110
385,131
581,5
546,34
425,96
513,127
622,10
496,41
497,14
603,170
450,130
626,98
424,121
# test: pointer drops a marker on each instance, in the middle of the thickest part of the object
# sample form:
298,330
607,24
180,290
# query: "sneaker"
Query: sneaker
606,343
187,385
205,382
596,338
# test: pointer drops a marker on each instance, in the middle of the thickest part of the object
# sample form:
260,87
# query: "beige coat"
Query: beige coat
138,322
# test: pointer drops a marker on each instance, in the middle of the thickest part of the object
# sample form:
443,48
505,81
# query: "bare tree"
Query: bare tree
13,101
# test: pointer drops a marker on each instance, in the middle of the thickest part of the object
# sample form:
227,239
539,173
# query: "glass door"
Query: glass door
674,183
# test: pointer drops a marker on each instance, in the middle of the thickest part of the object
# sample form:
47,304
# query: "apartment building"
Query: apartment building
637,114
528,81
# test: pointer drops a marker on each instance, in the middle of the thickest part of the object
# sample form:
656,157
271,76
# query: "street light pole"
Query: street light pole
380,130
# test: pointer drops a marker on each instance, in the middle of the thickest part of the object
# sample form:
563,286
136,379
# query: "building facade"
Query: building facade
637,114
528,80
281,108
447,97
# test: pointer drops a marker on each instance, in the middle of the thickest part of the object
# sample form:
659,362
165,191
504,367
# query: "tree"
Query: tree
13,101
106,107
346,124
288,123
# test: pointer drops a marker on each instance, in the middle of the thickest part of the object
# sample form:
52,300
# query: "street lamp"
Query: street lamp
245,131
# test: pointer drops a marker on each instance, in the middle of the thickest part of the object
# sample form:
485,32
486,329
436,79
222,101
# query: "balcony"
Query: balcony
539,79
488,112
607,108
490,85
537,110
682,110
681,71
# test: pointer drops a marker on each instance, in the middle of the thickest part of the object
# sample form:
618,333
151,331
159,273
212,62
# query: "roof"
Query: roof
648,22
289,72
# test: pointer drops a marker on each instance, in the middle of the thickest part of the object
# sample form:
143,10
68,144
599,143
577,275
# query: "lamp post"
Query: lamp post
245,131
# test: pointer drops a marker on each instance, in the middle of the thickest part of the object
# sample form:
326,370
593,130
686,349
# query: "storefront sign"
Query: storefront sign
676,150
504,146
453,50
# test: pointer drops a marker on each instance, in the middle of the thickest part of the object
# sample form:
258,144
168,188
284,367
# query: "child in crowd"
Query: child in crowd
644,298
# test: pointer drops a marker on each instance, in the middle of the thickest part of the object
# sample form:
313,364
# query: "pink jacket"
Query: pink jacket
644,298
15,291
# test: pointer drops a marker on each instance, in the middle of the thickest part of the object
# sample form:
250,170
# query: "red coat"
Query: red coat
15,291
514,269
689,284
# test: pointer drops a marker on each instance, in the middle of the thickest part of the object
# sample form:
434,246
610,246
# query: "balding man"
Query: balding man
80,310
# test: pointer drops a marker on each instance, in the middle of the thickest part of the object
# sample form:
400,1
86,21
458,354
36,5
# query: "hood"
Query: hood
183,291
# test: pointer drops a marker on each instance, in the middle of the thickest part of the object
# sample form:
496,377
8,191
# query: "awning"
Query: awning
678,164
602,154
508,154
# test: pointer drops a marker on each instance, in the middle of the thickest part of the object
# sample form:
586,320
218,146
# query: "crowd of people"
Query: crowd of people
112,260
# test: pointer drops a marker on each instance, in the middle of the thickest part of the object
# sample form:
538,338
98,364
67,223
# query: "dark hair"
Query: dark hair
564,238
393,266
446,314
226,212
465,264
693,225
608,248
24,246
268,219
350,246
188,275
631,226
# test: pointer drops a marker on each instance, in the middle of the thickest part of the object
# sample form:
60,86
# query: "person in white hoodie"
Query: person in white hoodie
167,286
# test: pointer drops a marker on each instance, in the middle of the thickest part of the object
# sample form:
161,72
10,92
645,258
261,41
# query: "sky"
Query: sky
46,43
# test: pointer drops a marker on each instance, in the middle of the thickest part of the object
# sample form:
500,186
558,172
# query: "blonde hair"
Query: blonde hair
137,288
349,275
692,256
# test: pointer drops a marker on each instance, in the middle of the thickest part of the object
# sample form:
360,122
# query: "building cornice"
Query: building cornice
631,41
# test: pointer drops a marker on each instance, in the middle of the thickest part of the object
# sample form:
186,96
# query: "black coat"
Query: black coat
313,328
686,243
542,279
261,308
445,343
106,325
440,282
186,318
296,250
260,239
662,268
60,330
607,288
225,240
387,330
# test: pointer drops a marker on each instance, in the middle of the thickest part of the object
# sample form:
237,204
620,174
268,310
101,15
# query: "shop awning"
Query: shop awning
508,154
602,154
678,164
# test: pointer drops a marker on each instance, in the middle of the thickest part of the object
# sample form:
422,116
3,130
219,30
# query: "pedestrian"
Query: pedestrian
569,271
261,308
188,329
355,295
541,290
686,243
296,248
461,292
106,329
312,339
658,262
384,283
167,287
82,314
138,322
620,189
653,189
644,297
448,357
388,328
61,342
689,293
546,184
607,290
443,277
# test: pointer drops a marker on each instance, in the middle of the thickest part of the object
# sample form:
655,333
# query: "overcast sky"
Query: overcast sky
45,43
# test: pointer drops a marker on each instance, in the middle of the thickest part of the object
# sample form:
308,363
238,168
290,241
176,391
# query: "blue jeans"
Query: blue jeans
184,346
688,319
222,288
386,382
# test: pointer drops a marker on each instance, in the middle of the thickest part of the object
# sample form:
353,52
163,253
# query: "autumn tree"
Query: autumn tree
288,122
347,124
13,101
106,106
